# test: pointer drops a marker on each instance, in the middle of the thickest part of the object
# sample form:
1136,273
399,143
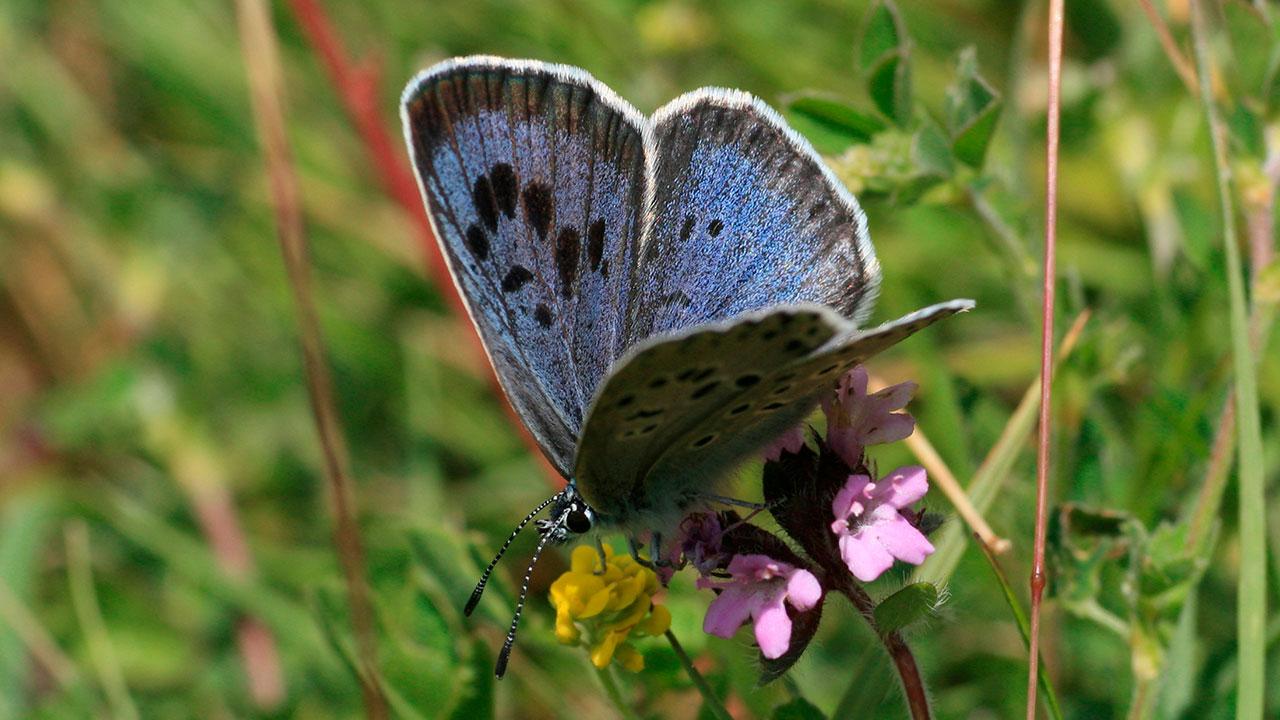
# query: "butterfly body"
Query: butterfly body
659,296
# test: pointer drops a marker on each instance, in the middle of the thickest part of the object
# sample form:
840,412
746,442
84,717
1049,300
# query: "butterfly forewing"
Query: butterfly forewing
743,215
533,176
663,392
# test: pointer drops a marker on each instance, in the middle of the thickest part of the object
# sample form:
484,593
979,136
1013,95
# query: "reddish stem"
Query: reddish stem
1038,575
357,86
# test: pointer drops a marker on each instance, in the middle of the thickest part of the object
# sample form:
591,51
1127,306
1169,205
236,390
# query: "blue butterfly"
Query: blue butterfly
660,297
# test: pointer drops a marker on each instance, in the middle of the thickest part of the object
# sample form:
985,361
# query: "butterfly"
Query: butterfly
660,297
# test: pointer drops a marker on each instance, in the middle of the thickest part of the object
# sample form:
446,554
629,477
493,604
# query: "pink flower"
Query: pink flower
856,419
756,590
697,544
871,530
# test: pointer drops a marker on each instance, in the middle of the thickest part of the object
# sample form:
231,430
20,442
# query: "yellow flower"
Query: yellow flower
601,611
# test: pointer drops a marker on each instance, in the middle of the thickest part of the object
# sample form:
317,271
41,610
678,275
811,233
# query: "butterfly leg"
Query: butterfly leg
733,502
634,546
604,559
655,550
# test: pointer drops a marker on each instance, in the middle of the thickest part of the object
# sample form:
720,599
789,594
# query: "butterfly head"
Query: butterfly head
570,517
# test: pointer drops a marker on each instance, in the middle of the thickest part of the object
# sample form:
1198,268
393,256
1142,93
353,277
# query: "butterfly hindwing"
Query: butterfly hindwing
743,214
664,389
787,395
533,176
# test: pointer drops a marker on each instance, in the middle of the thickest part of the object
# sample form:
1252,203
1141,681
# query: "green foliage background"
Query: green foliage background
152,385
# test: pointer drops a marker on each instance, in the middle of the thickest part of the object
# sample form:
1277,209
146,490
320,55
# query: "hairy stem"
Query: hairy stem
903,660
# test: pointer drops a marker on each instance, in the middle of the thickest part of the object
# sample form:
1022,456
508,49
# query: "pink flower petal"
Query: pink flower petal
755,567
895,397
865,556
889,427
728,612
902,487
803,590
851,493
773,628
903,540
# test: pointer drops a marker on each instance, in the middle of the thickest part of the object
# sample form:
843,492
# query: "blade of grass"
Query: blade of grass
1053,113
1020,618
986,483
711,703
262,64
1252,585
85,601
1170,46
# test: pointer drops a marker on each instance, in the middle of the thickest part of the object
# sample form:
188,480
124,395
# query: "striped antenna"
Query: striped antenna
501,668
484,577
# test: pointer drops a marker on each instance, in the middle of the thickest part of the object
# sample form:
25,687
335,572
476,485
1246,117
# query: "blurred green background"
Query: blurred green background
165,535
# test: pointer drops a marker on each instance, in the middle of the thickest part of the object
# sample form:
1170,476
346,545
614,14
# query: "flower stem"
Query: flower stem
712,702
903,660
615,693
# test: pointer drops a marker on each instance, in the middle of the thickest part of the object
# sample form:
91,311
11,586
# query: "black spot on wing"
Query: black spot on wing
502,178
705,390
568,246
542,314
595,243
715,227
687,229
538,208
477,242
515,278
747,381
486,206
704,441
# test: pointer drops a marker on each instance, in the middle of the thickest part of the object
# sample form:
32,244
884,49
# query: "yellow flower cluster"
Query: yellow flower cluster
600,611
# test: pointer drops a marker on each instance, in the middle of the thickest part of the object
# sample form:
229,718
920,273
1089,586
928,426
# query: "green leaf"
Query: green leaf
931,151
911,604
836,117
884,57
882,34
798,709
972,108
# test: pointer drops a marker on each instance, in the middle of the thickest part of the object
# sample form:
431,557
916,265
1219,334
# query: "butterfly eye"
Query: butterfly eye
578,522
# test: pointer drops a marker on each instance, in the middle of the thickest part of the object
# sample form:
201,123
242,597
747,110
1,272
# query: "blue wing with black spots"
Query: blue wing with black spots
742,214
533,176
